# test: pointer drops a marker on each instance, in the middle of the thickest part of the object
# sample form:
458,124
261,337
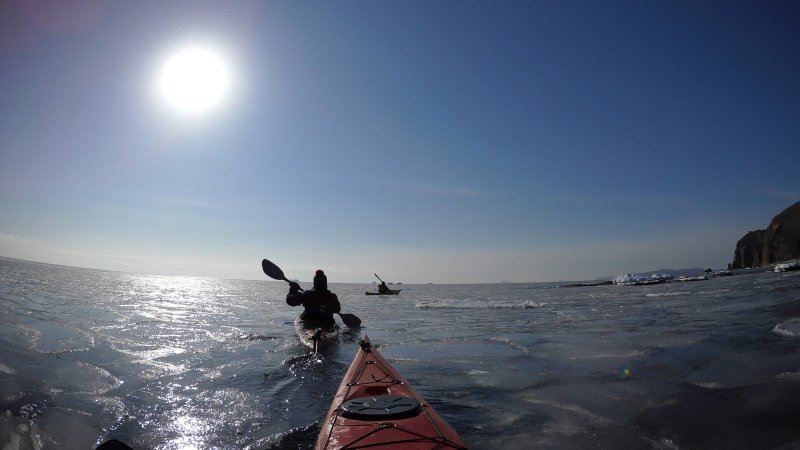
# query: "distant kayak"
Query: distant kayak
391,292
313,336
375,407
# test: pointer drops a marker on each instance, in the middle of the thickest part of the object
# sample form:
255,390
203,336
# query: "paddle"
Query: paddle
379,278
275,272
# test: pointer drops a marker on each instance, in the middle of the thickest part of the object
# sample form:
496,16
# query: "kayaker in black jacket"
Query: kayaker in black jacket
382,288
320,304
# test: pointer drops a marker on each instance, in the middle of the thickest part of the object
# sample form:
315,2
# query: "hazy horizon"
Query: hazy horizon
368,282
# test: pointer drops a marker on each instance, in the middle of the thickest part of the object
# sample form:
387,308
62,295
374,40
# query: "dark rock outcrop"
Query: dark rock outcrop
749,250
779,242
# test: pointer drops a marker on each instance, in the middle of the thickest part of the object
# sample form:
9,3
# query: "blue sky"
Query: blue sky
426,141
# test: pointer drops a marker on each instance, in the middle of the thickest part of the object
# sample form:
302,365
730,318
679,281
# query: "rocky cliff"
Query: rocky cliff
779,242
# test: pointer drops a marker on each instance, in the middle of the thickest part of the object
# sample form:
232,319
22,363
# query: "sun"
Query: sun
194,79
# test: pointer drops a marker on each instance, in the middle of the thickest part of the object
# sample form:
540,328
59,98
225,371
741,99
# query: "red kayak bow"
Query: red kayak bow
375,407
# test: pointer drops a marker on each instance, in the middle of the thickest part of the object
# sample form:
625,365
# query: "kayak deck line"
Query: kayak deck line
376,407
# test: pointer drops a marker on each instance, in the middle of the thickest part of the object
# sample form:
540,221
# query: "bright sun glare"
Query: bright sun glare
194,80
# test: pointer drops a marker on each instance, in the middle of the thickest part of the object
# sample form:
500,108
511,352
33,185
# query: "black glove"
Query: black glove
293,286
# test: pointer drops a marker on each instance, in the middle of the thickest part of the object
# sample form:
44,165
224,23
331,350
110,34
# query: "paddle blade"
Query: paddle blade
272,270
351,320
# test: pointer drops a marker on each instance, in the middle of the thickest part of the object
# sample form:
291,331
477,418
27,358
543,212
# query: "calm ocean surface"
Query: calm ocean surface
181,362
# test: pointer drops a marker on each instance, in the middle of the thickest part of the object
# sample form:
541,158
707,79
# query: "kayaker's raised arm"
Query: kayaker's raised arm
294,297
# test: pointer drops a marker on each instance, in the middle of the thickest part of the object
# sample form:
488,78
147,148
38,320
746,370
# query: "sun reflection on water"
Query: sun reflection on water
172,324
192,432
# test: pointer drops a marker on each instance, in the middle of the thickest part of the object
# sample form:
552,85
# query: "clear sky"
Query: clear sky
426,141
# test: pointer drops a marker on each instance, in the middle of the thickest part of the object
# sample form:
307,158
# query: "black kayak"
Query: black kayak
391,292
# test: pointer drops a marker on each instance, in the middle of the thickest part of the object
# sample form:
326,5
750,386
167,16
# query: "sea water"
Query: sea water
164,362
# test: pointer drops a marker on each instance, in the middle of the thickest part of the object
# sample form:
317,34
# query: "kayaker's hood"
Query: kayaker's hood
320,280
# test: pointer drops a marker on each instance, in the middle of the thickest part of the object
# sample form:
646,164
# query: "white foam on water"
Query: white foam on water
13,443
211,375
458,304
707,384
787,266
793,376
668,294
718,291
788,328
5,369
631,354
36,436
12,397
665,444
532,304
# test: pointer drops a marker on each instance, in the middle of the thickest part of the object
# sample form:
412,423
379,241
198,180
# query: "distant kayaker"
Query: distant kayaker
320,304
382,288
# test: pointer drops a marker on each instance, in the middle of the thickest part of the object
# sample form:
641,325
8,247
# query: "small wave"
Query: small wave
484,305
789,328
254,337
664,443
305,361
295,437
82,378
576,409
153,352
631,354
668,294
718,291
707,384
211,374
793,376
5,369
